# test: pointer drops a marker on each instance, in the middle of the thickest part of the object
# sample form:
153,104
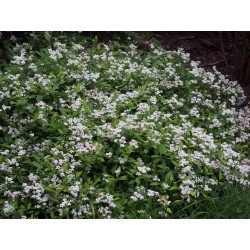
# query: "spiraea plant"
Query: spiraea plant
94,130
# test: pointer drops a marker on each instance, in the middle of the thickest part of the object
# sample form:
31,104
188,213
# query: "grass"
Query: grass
232,202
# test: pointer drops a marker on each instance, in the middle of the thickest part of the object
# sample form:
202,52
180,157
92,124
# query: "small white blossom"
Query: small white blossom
109,154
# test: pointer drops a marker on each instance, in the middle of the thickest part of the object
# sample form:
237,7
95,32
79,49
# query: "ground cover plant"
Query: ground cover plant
108,130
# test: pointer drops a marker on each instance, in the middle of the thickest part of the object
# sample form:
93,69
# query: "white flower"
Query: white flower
151,45
109,154
74,190
41,104
136,196
166,186
153,99
65,203
142,170
194,112
152,193
118,170
8,180
133,143
122,141
8,208
143,107
121,160
155,178
132,46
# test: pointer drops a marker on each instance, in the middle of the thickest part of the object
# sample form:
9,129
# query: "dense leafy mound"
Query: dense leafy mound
92,130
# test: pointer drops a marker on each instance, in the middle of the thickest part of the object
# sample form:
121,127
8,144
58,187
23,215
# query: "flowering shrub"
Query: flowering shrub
92,130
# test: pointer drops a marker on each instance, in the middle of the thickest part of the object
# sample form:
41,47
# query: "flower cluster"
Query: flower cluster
92,130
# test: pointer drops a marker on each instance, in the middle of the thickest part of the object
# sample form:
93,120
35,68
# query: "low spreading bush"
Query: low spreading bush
93,130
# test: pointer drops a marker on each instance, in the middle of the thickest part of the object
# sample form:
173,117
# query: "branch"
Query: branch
210,64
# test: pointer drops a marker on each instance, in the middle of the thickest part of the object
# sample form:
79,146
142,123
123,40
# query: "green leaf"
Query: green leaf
5,129
220,176
192,193
39,166
47,37
52,214
78,174
154,184
95,39
49,189
63,111
169,177
53,199
78,88
123,178
155,156
39,98
173,188
169,210
29,206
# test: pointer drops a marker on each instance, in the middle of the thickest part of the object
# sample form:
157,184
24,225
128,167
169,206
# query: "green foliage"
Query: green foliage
230,202
94,130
